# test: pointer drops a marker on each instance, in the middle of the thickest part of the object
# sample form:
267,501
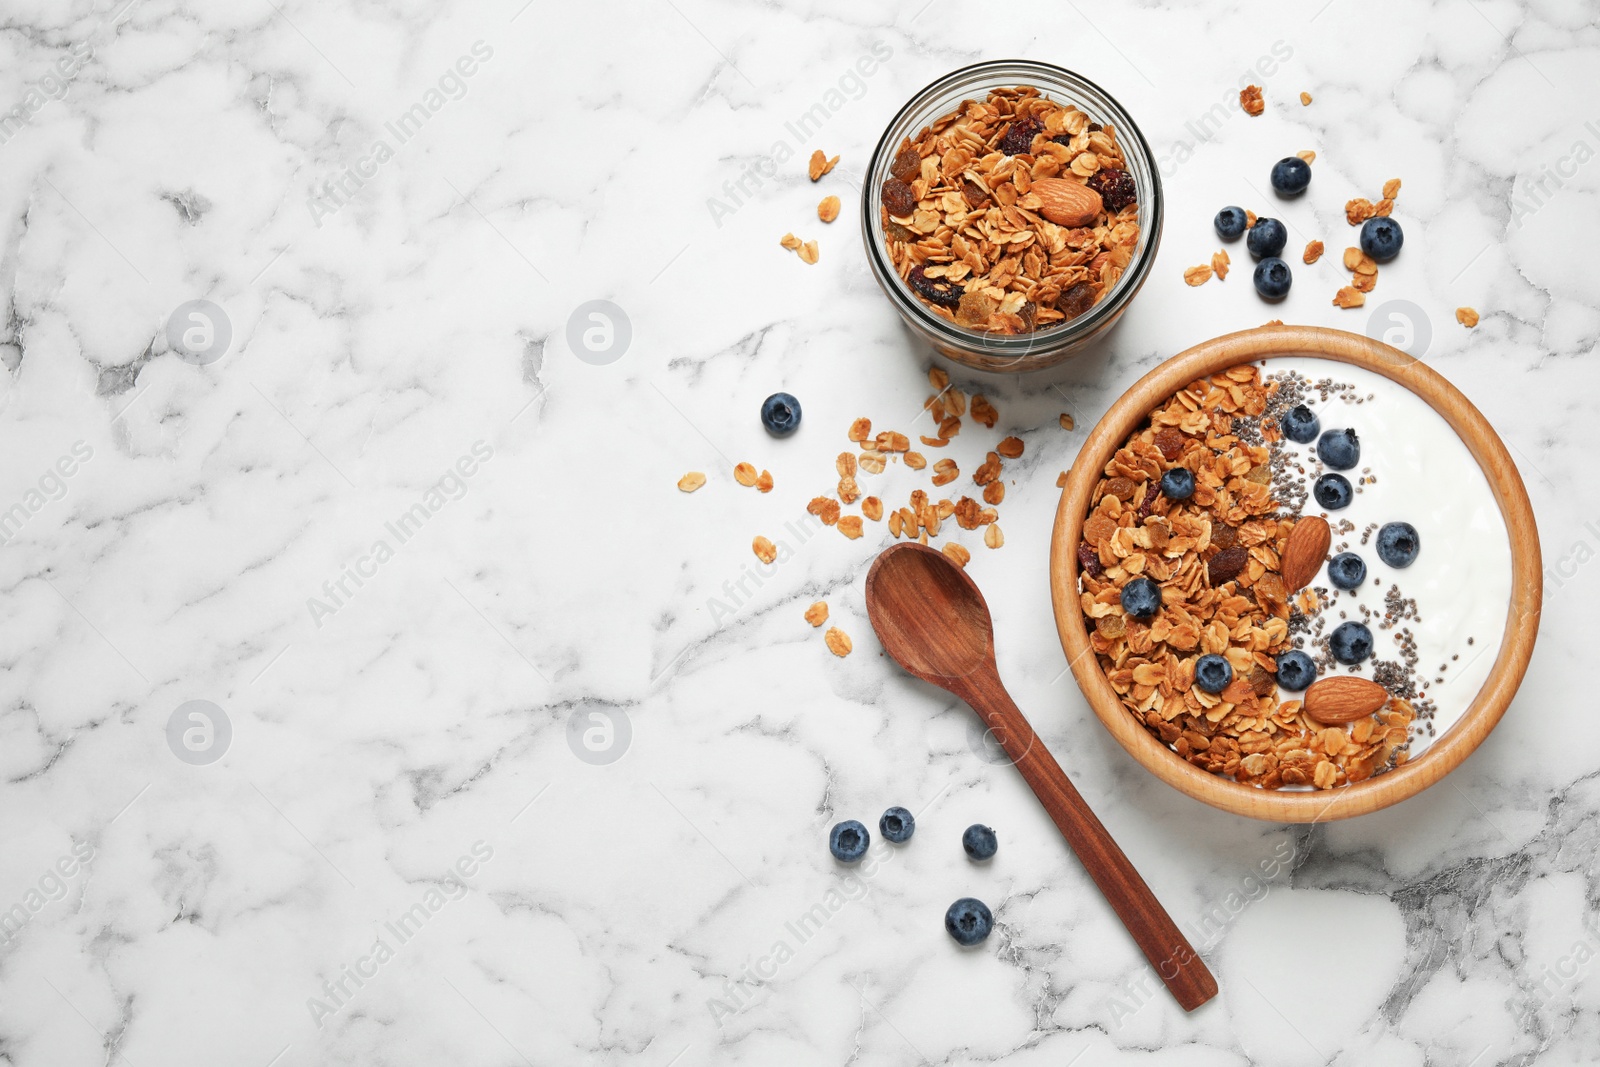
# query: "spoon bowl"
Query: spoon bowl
931,617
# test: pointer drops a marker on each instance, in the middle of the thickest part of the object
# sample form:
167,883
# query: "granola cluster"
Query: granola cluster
964,224
1216,558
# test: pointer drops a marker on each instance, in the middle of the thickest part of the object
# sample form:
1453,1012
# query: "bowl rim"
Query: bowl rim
1044,346
1522,616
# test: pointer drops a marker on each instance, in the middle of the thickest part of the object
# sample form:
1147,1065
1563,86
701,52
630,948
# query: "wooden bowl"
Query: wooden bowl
1522,620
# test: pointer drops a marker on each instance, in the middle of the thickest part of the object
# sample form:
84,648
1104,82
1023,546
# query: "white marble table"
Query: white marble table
416,554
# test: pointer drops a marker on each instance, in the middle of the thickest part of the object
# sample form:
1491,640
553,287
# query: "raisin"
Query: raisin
1260,681
1089,560
1064,139
1111,626
1120,487
1076,300
1095,127
897,198
1019,138
1149,504
907,164
1115,187
897,232
975,309
1226,565
1170,441
1223,536
974,193
934,290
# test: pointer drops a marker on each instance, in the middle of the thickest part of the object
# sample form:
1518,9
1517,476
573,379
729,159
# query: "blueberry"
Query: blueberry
1350,642
1273,278
1347,570
968,921
980,842
1333,491
1230,223
1141,598
1267,238
780,414
1339,449
1381,238
897,825
1296,670
1301,425
1291,175
1398,544
1178,484
848,841
1212,672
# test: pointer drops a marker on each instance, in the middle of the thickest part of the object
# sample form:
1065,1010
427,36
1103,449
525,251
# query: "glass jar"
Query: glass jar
1041,348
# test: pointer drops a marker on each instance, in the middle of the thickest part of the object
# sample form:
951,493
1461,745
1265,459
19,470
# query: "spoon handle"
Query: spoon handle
1168,951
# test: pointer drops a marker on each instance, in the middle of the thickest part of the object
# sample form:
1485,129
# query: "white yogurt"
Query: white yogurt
1461,579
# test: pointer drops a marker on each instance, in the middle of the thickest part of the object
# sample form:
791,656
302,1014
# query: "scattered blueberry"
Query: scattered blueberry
1301,425
1267,238
1333,491
1178,484
1347,570
968,921
1398,543
1381,238
1141,598
1230,223
1296,670
1339,449
780,414
897,825
1350,642
1273,278
848,841
1291,175
980,842
1212,672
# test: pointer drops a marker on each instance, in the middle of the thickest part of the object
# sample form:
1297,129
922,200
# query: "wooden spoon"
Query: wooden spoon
933,620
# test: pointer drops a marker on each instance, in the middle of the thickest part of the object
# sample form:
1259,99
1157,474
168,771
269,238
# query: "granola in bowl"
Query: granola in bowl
1010,214
1223,583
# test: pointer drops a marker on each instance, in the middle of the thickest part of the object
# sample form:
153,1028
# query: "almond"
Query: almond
1066,202
1303,555
1344,699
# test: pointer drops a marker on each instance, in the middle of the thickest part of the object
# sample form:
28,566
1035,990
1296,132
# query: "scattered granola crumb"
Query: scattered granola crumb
828,210
860,430
764,481
1198,275
993,537
817,614
764,549
820,164
1348,297
1467,317
808,252
791,242
838,642
1250,100
1305,99
1061,480
1219,263
1358,211
1313,252
1066,421
694,480
850,526
1307,155
957,553
1249,218
1391,189
1010,447
872,508
745,474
